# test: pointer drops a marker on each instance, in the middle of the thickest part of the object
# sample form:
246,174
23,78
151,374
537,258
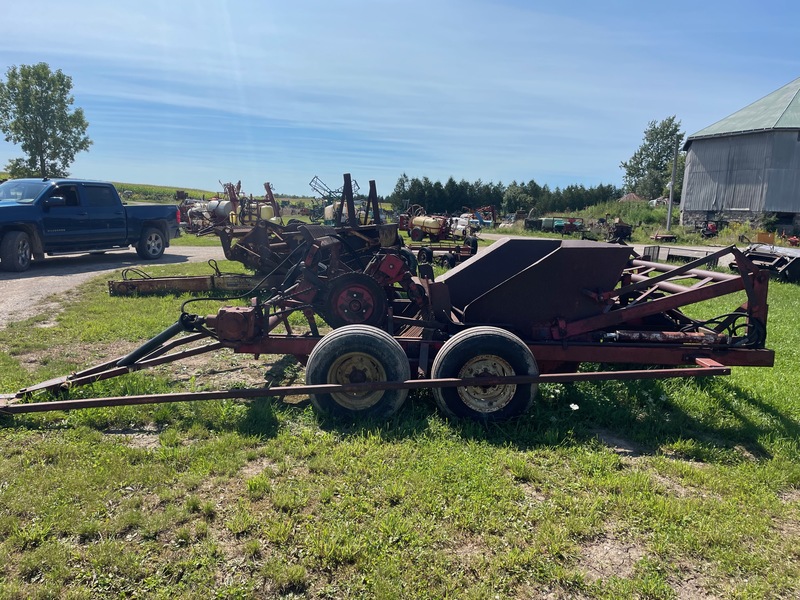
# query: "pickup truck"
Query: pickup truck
66,216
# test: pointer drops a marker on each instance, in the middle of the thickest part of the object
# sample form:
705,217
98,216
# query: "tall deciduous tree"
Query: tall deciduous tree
649,171
36,113
516,197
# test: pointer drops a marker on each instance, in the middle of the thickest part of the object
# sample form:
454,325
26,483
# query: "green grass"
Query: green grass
137,192
190,239
695,493
648,221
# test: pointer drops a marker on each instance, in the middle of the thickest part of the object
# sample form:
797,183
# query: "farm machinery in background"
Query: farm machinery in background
562,225
231,209
325,208
443,239
198,216
781,262
436,228
272,249
275,251
421,225
604,229
482,337
611,230
475,220
710,228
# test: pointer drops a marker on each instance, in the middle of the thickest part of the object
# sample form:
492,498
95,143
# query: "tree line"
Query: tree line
454,197
648,174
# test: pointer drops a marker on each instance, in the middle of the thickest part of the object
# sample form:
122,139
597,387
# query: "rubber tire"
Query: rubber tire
472,242
410,260
425,255
488,342
294,224
151,245
366,342
446,261
417,234
15,252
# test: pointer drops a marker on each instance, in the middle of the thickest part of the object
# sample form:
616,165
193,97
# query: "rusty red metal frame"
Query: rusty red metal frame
10,404
113,368
710,285
646,289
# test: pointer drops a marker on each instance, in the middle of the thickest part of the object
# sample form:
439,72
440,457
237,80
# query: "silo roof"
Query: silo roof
778,110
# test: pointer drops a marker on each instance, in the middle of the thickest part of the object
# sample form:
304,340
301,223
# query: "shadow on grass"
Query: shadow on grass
710,420
722,421
707,420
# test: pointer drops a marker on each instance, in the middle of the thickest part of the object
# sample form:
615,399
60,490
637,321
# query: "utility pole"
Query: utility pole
672,181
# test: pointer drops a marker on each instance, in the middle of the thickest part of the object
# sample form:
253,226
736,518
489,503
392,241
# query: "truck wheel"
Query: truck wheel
15,251
484,351
358,354
151,245
417,234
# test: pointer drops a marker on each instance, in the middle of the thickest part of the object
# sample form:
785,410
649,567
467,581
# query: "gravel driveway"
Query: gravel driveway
23,295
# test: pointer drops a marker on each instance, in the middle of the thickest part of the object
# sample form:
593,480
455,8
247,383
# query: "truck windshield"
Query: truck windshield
21,191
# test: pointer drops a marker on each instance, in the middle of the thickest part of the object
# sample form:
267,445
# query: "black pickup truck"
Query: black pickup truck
65,216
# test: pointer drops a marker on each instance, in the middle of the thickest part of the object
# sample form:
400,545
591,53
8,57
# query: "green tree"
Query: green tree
36,113
649,171
399,197
515,198
456,193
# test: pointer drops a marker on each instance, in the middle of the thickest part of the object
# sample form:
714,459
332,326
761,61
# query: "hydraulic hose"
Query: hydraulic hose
152,344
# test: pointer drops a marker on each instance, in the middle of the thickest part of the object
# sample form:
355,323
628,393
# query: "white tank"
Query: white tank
427,224
220,208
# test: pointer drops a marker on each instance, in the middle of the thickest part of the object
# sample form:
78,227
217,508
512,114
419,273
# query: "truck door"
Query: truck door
106,216
65,223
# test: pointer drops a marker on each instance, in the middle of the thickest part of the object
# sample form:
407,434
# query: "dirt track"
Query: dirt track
23,295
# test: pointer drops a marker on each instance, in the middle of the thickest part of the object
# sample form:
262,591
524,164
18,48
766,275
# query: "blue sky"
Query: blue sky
188,93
